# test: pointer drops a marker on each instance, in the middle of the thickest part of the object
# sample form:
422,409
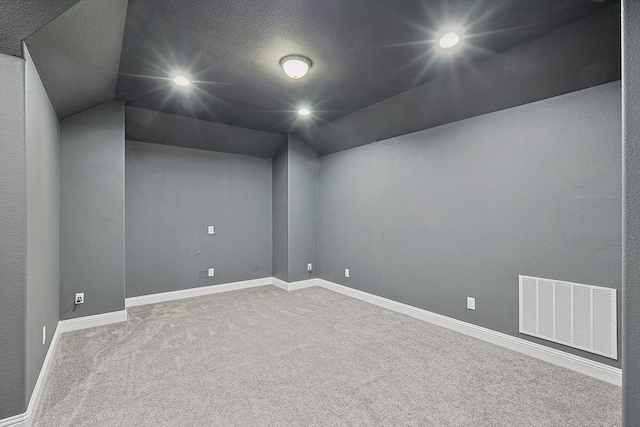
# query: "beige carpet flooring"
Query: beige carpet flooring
266,357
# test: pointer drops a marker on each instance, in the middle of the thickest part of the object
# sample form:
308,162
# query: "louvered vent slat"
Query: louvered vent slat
577,315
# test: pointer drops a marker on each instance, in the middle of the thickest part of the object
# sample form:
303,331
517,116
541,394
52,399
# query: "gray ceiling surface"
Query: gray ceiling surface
161,128
21,18
363,51
77,55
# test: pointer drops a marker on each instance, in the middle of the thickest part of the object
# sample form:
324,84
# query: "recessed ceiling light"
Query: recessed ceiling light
449,40
181,81
295,66
304,112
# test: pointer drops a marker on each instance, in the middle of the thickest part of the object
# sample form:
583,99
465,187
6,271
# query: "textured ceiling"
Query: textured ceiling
77,55
363,51
151,126
20,18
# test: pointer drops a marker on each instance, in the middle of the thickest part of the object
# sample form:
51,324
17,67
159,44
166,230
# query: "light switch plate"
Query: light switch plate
211,272
211,230
346,272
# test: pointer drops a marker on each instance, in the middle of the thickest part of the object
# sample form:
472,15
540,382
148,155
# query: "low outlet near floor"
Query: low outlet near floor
79,298
471,303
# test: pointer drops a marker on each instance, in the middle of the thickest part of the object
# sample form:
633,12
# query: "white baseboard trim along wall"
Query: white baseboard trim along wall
293,286
196,292
86,322
26,419
557,357
551,355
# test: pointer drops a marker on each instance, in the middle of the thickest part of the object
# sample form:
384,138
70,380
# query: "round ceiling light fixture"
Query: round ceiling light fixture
295,66
304,112
449,40
181,81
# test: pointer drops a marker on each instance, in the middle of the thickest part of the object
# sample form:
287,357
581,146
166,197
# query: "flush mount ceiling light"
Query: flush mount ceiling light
295,66
181,81
304,112
449,40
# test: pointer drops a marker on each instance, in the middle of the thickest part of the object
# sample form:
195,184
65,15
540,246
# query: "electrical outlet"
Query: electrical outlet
471,303
211,230
79,298
204,274
255,267
211,272
44,335
309,267
346,272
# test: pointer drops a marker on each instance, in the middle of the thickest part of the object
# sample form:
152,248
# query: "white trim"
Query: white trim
280,283
196,292
26,419
302,284
294,286
557,357
92,321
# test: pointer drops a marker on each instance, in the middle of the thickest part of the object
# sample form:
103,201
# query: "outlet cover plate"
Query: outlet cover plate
79,298
471,303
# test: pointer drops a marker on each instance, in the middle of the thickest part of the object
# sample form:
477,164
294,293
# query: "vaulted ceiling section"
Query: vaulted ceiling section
369,57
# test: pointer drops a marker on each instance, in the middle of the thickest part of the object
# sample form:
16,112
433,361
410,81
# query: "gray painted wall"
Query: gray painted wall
43,223
303,209
461,210
631,220
172,195
92,211
280,191
13,236
578,56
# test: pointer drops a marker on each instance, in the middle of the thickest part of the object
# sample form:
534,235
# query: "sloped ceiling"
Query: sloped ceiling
364,52
78,54
21,18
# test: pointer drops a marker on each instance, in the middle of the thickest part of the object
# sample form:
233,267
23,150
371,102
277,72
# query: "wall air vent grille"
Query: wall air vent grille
580,316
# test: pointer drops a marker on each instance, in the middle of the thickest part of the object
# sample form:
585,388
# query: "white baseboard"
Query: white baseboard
92,321
26,419
280,283
293,286
196,292
557,357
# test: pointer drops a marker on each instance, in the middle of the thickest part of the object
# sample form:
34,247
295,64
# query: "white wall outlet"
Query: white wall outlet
44,335
211,230
471,303
309,267
211,272
346,272
79,298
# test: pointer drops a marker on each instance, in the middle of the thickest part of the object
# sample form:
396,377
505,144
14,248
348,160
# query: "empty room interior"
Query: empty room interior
310,213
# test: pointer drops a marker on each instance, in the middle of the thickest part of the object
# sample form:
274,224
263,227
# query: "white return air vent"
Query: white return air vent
580,316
